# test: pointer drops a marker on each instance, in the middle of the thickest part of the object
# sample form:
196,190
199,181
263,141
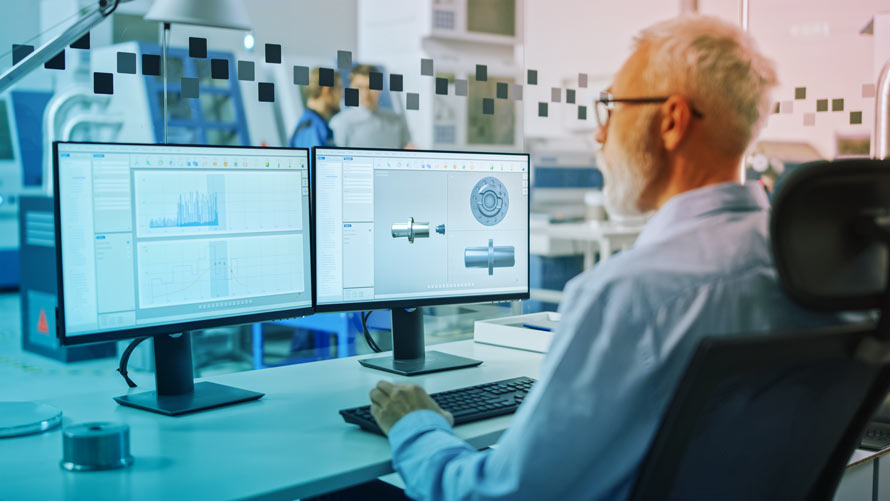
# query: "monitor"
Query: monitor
400,229
156,240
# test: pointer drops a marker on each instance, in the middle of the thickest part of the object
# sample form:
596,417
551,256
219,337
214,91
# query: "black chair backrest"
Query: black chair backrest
826,249
777,416
763,417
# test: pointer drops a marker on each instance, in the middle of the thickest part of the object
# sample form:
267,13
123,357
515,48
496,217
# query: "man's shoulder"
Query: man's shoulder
388,116
654,274
619,279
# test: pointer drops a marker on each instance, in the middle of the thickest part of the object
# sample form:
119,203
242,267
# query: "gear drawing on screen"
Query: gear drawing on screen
489,201
490,257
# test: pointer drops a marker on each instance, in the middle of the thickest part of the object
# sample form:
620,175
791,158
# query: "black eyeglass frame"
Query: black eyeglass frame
607,102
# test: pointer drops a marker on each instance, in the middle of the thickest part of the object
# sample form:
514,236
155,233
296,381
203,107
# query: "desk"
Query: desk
292,443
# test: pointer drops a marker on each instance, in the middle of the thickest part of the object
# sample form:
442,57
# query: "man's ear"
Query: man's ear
676,116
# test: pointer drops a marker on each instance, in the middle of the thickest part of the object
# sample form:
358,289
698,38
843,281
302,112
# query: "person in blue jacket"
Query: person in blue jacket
322,102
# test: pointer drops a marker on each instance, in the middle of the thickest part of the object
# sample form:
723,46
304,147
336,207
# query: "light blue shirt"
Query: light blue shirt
702,266
363,128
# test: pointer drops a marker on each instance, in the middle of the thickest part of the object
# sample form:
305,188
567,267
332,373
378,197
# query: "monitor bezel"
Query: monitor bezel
178,327
387,304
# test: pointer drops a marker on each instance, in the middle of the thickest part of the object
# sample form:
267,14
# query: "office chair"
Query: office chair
778,416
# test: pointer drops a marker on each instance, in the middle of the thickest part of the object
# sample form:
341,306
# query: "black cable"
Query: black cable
368,339
125,358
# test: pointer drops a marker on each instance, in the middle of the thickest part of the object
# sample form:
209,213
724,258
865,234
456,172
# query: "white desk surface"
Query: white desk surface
291,443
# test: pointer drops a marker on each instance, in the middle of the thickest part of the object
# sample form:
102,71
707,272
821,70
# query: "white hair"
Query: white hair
718,68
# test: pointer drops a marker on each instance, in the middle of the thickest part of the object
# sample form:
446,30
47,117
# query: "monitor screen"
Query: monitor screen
419,227
157,235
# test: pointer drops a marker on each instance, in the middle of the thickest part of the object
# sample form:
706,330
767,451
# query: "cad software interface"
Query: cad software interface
402,225
166,234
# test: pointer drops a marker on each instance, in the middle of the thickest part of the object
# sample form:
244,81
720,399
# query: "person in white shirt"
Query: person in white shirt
368,125
674,126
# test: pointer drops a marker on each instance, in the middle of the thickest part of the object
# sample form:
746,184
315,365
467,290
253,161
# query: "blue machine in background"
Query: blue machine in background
217,117
21,170
39,286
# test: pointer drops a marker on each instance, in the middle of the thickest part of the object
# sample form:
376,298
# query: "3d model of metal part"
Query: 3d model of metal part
489,201
490,257
411,230
440,229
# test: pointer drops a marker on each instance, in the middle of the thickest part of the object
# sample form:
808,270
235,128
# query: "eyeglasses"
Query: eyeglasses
606,103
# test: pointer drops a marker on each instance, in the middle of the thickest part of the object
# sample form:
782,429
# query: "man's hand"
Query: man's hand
390,402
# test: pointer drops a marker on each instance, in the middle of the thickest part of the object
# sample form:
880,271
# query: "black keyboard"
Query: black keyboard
469,404
876,437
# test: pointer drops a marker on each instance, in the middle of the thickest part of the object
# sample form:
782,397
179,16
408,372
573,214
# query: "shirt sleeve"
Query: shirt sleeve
581,431
404,132
340,127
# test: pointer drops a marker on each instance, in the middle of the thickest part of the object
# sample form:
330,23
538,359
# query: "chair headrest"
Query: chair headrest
829,228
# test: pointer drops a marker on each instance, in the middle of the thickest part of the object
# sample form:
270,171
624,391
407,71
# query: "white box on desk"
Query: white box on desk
510,333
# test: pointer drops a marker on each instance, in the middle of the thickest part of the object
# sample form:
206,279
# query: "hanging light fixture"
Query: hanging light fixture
229,14
212,13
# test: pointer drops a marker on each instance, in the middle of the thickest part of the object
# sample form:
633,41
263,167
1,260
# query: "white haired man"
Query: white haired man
674,126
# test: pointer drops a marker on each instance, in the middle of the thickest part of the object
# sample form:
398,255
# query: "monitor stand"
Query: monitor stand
409,358
177,393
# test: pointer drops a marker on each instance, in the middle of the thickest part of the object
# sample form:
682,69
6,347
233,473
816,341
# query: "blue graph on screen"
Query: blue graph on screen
193,209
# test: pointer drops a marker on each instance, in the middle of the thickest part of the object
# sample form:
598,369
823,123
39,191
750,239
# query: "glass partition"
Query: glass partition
483,75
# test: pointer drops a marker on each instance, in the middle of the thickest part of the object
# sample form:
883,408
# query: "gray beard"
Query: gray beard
627,176
622,187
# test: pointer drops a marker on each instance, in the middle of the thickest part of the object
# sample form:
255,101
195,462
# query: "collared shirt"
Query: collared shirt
312,130
702,266
363,128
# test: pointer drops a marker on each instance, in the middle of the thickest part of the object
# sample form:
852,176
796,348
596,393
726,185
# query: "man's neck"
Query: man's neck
318,108
686,175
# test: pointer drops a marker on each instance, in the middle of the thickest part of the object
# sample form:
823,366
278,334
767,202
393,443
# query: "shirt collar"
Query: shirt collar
701,202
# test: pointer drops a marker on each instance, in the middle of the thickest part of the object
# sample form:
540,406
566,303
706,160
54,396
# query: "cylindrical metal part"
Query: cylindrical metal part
96,446
411,230
490,257
882,115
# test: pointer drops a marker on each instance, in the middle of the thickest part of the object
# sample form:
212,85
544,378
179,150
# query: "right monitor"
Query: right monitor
404,228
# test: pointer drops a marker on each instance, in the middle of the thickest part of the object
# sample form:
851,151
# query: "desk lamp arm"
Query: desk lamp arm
91,17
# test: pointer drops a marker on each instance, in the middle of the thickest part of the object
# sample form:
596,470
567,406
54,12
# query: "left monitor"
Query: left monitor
161,239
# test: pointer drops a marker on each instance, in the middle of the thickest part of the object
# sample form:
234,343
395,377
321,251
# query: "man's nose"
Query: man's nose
600,135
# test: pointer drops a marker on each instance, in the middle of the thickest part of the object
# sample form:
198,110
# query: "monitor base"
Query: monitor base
433,361
206,396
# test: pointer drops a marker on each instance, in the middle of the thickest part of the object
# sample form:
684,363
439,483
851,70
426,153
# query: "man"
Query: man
699,92
322,103
368,125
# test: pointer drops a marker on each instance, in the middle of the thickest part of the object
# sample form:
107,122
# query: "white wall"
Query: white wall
315,29
26,25
815,43
565,37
